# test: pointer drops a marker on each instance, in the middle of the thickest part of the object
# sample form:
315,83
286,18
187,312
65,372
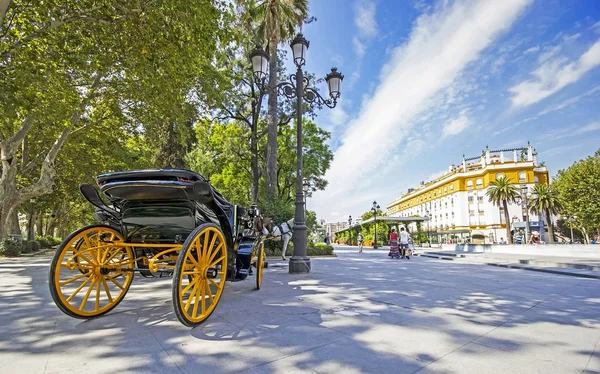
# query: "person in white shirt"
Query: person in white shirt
360,242
404,243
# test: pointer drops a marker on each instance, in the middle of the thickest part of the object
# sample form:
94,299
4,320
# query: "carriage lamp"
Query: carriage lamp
296,86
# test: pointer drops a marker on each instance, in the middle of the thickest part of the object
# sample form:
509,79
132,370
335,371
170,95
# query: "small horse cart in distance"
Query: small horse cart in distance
159,222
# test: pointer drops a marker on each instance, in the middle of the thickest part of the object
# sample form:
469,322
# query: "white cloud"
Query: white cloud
533,49
364,18
456,126
592,126
359,47
568,102
440,46
552,75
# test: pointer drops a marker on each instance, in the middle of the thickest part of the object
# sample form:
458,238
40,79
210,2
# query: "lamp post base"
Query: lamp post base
299,265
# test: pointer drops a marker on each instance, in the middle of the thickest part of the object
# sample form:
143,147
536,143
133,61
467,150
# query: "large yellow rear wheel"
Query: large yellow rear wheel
200,274
91,272
260,265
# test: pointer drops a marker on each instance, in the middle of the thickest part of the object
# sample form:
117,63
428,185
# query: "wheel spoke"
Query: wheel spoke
216,284
87,295
216,261
112,279
79,289
97,295
215,253
204,283
209,293
198,249
64,283
187,288
189,256
211,248
196,300
110,299
189,301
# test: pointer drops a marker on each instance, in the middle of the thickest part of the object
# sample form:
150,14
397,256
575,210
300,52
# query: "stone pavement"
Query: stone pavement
357,313
578,267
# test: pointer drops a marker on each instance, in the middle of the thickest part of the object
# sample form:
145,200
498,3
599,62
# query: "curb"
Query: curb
514,266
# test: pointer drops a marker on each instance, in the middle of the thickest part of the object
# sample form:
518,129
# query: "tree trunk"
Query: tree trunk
509,237
31,216
272,123
550,227
40,224
4,5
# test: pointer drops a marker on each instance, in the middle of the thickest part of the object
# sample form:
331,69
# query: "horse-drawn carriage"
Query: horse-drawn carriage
159,222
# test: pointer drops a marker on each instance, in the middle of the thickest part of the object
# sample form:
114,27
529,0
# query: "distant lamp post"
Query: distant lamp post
428,218
350,228
374,210
297,88
571,219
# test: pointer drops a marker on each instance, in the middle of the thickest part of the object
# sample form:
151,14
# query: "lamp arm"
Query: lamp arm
313,97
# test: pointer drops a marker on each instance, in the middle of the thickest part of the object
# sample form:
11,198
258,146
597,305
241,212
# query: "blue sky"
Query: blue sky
426,81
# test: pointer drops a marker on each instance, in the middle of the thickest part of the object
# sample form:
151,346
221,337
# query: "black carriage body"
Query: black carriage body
165,206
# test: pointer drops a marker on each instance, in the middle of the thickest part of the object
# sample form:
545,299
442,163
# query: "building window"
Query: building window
480,199
479,183
536,179
469,184
445,190
440,192
452,187
522,176
499,175
451,202
471,199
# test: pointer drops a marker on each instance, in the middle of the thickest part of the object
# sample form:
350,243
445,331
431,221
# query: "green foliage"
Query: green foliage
44,243
11,248
545,201
578,188
273,249
501,193
30,246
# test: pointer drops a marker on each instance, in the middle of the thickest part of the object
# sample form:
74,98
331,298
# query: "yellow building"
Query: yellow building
457,205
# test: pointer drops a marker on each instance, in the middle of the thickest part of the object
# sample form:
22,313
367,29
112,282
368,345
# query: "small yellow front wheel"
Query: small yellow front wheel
200,274
91,272
260,264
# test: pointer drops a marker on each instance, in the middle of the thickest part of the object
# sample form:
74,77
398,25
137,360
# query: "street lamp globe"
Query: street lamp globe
349,220
299,47
260,63
334,82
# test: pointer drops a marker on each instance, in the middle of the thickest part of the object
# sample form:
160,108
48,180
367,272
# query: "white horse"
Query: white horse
281,232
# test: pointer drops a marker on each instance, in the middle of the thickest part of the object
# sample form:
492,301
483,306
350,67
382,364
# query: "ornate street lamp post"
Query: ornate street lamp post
428,218
374,210
297,88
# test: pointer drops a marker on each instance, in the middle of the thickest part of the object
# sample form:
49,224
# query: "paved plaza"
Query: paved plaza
357,313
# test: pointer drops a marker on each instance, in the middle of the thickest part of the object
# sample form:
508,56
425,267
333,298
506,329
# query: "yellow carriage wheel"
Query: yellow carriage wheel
260,265
200,274
90,272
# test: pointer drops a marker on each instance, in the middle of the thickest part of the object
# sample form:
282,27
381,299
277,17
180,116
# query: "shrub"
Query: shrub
52,241
43,241
11,248
273,248
30,246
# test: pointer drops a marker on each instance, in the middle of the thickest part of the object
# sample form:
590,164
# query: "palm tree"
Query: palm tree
503,192
545,202
277,21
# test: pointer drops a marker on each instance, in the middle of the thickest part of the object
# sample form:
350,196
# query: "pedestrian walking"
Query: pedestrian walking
394,245
404,243
360,242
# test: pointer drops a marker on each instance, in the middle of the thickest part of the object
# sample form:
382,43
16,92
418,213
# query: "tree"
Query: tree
317,159
502,192
545,202
578,189
70,66
277,21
